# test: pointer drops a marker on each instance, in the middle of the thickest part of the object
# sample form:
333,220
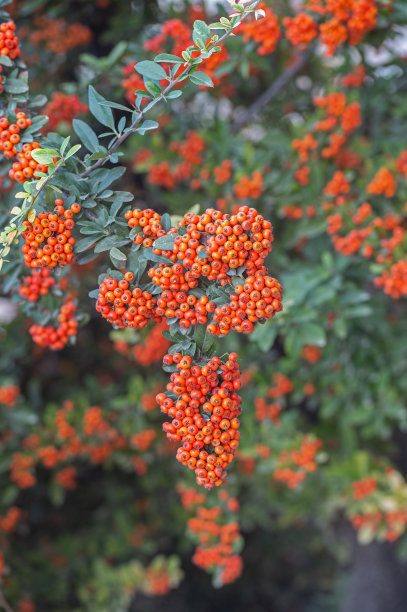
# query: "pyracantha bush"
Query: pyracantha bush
159,168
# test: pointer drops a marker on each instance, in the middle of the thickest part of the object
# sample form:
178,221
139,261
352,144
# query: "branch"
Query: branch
272,91
150,105
4,604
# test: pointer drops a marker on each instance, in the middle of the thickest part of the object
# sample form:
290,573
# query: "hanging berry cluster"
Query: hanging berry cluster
205,415
206,274
48,239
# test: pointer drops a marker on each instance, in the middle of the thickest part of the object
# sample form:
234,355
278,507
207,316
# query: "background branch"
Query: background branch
273,91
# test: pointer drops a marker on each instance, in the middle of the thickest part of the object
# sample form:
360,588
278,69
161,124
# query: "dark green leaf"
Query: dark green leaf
151,70
200,78
168,58
86,135
101,112
165,243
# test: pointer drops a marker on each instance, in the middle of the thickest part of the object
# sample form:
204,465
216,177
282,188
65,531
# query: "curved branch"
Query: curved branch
4,604
273,91
169,87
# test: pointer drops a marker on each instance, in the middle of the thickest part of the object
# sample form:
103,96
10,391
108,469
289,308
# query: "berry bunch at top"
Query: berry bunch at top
215,273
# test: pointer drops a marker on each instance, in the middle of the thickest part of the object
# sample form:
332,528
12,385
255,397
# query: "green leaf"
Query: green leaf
172,95
64,145
166,222
101,112
153,88
200,78
16,86
203,254
146,126
165,243
168,58
264,335
151,70
116,105
201,31
117,257
312,333
85,243
72,151
86,135
109,242
44,156
6,60
103,178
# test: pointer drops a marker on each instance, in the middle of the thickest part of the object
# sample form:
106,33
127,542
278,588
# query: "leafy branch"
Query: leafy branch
153,72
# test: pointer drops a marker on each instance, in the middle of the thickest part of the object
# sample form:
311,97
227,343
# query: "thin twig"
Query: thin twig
273,91
4,604
150,105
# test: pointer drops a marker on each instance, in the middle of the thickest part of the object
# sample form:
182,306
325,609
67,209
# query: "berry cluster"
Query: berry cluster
216,532
9,395
124,306
8,40
257,300
10,137
150,224
57,337
48,239
189,309
295,465
205,415
367,511
36,284
10,133
62,108
266,32
58,35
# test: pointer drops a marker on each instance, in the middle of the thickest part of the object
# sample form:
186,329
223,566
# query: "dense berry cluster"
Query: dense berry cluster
57,337
150,224
266,32
363,488
38,283
48,239
62,108
58,35
257,300
124,305
9,44
204,414
10,133
206,247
